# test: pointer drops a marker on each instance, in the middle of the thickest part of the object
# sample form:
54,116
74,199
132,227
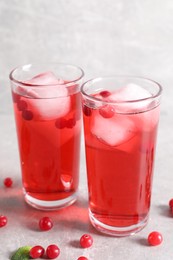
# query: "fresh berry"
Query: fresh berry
45,224
82,258
52,251
8,182
71,123
22,105
105,93
107,111
3,221
36,252
171,203
87,111
27,115
86,241
155,238
60,123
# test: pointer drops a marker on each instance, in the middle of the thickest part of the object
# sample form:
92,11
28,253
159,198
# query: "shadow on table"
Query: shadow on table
164,210
13,205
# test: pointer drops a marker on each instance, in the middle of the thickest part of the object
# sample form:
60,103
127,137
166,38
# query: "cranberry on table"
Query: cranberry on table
52,251
3,221
45,224
82,258
86,241
36,252
171,203
8,182
155,238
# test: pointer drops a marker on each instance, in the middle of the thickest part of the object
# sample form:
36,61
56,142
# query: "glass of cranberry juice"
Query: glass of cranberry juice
120,116
46,100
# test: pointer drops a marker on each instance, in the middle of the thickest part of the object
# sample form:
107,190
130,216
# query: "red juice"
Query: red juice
120,150
49,146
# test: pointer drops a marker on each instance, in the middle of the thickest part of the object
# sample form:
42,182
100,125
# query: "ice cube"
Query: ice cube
48,101
45,78
113,131
131,92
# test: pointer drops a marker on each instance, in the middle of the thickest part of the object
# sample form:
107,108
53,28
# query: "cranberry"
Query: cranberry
86,241
52,251
60,123
106,111
45,224
105,93
171,203
27,115
71,123
15,97
36,252
3,221
155,238
8,182
22,105
82,258
87,111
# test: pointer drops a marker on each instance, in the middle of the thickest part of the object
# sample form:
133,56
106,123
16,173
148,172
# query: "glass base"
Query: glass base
50,205
117,231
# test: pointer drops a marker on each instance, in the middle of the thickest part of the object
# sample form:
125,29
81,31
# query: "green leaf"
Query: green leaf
22,253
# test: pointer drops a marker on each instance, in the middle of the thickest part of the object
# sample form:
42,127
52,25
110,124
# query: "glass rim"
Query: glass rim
93,80
29,65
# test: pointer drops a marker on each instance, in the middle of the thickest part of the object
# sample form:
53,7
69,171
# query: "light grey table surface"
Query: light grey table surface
103,37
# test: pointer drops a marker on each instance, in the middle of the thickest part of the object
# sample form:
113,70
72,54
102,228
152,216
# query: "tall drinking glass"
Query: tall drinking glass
121,116
46,101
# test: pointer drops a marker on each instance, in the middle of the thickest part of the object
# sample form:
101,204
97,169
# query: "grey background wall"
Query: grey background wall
101,36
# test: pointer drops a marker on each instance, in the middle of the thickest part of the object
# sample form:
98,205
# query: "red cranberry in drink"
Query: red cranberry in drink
105,93
27,115
107,111
60,123
21,105
71,123
87,111
15,97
